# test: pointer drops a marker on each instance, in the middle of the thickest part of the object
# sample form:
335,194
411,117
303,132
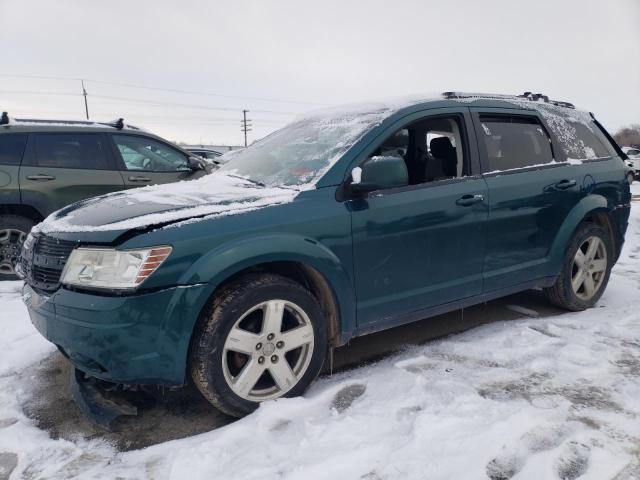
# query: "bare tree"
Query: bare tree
628,136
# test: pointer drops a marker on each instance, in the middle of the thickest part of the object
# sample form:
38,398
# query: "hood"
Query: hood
213,195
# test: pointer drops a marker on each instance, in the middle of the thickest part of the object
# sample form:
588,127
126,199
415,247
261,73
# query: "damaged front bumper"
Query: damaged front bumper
136,339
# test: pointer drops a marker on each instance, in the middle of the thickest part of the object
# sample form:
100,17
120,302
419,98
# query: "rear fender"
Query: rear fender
587,206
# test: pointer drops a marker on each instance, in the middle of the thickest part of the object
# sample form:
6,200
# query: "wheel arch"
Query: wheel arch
22,210
301,259
594,209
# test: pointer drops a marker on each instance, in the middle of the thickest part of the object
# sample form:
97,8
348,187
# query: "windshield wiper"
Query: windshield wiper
247,179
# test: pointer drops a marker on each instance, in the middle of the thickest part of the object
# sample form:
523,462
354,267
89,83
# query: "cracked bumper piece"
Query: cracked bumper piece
136,339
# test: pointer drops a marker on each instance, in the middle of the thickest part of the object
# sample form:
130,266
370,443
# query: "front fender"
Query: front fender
585,207
232,257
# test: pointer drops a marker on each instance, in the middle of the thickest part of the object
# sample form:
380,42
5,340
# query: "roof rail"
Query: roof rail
534,97
118,124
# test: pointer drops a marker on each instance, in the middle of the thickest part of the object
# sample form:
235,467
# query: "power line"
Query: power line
161,89
27,92
186,105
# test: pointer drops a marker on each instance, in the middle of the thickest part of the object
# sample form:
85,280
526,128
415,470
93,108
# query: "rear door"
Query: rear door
147,161
62,168
530,194
12,146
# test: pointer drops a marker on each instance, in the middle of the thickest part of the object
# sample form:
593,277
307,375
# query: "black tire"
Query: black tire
562,293
218,319
10,246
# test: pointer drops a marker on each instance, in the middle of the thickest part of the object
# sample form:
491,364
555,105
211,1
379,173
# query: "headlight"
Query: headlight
110,268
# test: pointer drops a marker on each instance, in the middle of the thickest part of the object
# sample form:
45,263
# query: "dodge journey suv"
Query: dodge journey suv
348,221
46,165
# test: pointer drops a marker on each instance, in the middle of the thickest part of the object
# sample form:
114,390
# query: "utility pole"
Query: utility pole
86,105
245,125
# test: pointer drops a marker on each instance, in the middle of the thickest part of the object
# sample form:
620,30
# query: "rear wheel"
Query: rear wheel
13,232
586,270
262,338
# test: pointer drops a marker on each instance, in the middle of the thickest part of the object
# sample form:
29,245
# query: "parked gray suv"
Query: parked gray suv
46,165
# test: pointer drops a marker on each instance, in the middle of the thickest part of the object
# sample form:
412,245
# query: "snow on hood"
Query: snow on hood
215,194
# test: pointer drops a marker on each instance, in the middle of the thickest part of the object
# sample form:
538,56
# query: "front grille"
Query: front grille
54,247
44,261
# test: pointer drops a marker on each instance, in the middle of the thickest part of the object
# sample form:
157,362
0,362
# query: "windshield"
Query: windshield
300,153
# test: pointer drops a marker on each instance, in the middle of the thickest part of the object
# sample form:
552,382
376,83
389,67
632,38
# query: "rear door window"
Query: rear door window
12,147
514,142
81,151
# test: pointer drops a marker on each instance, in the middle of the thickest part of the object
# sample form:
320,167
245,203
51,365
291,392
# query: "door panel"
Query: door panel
47,183
527,210
417,248
12,146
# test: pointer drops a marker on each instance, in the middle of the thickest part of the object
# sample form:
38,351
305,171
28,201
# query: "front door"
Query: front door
146,161
62,168
422,245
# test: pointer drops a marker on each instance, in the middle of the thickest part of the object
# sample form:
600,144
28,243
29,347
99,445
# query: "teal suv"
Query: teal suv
348,221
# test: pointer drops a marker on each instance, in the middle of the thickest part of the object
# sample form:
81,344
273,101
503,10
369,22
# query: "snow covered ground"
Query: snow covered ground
538,398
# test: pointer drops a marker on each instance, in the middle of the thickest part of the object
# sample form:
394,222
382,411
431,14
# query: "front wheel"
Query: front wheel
263,337
586,270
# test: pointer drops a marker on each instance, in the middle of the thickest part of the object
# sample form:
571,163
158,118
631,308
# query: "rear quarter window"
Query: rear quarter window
12,147
585,141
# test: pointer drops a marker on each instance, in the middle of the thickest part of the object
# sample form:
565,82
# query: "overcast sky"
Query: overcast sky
248,54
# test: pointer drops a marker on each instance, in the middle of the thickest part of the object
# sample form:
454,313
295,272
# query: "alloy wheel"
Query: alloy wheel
11,241
268,350
589,268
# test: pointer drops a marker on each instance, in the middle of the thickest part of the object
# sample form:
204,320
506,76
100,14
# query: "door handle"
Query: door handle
40,177
565,184
139,179
468,200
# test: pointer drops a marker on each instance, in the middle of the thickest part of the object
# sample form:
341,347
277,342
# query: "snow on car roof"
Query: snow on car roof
36,122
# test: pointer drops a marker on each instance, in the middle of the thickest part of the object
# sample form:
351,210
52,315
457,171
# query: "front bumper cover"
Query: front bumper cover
137,339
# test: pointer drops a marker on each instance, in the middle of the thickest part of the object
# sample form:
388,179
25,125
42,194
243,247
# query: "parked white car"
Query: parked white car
633,162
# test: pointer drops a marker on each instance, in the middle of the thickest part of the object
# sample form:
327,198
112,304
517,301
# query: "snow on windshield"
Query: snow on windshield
303,151
215,194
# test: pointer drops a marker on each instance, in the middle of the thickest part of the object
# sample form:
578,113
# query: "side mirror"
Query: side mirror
196,163
379,173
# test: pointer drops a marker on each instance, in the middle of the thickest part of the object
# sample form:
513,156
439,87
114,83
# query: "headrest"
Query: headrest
440,146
